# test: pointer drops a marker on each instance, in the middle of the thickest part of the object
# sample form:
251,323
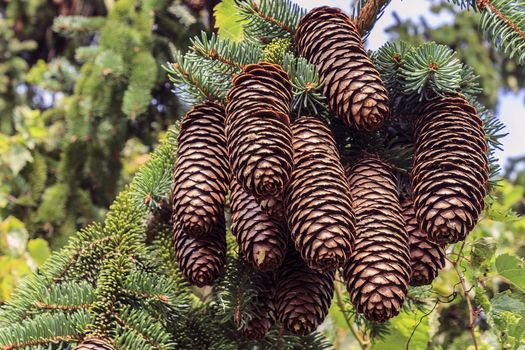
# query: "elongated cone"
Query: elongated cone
258,129
450,171
262,308
95,343
426,257
273,206
303,295
329,39
201,260
201,170
378,272
318,206
262,239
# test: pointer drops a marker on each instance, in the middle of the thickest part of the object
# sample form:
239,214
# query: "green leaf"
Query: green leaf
14,234
17,157
228,20
483,249
511,268
403,329
38,249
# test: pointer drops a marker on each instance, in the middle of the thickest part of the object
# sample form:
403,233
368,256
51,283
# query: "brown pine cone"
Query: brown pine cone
450,170
378,272
262,240
94,343
303,295
426,257
258,129
201,170
273,206
201,260
262,308
353,87
318,206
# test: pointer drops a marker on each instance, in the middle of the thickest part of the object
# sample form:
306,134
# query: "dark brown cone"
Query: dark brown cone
201,260
201,171
95,343
262,308
258,129
318,206
426,257
303,295
195,5
329,39
378,272
450,171
262,239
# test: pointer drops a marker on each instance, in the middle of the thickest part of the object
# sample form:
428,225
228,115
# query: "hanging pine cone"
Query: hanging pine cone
426,257
262,308
201,260
303,295
378,272
258,129
95,343
201,171
450,170
262,240
329,39
318,206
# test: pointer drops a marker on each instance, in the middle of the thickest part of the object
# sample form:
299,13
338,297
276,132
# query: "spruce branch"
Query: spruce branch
270,19
504,21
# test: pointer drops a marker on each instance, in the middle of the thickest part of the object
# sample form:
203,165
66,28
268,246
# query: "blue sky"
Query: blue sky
511,108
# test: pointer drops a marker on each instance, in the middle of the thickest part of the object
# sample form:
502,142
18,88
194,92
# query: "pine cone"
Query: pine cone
426,257
303,295
329,39
262,308
378,272
95,343
258,129
262,240
450,171
273,206
318,206
201,171
201,260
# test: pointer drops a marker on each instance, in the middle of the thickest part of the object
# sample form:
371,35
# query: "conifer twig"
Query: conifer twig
484,4
368,12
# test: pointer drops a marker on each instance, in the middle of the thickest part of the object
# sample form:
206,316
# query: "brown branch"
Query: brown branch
367,15
124,324
466,291
77,255
42,341
484,4
214,55
271,19
45,306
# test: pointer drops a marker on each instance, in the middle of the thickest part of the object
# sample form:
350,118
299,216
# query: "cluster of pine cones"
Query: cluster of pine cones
297,212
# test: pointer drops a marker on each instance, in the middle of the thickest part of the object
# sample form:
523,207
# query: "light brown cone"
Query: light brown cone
95,343
201,260
258,129
318,206
303,295
378,272
262,240
201,170
329,39
426,257
262,308
450,170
